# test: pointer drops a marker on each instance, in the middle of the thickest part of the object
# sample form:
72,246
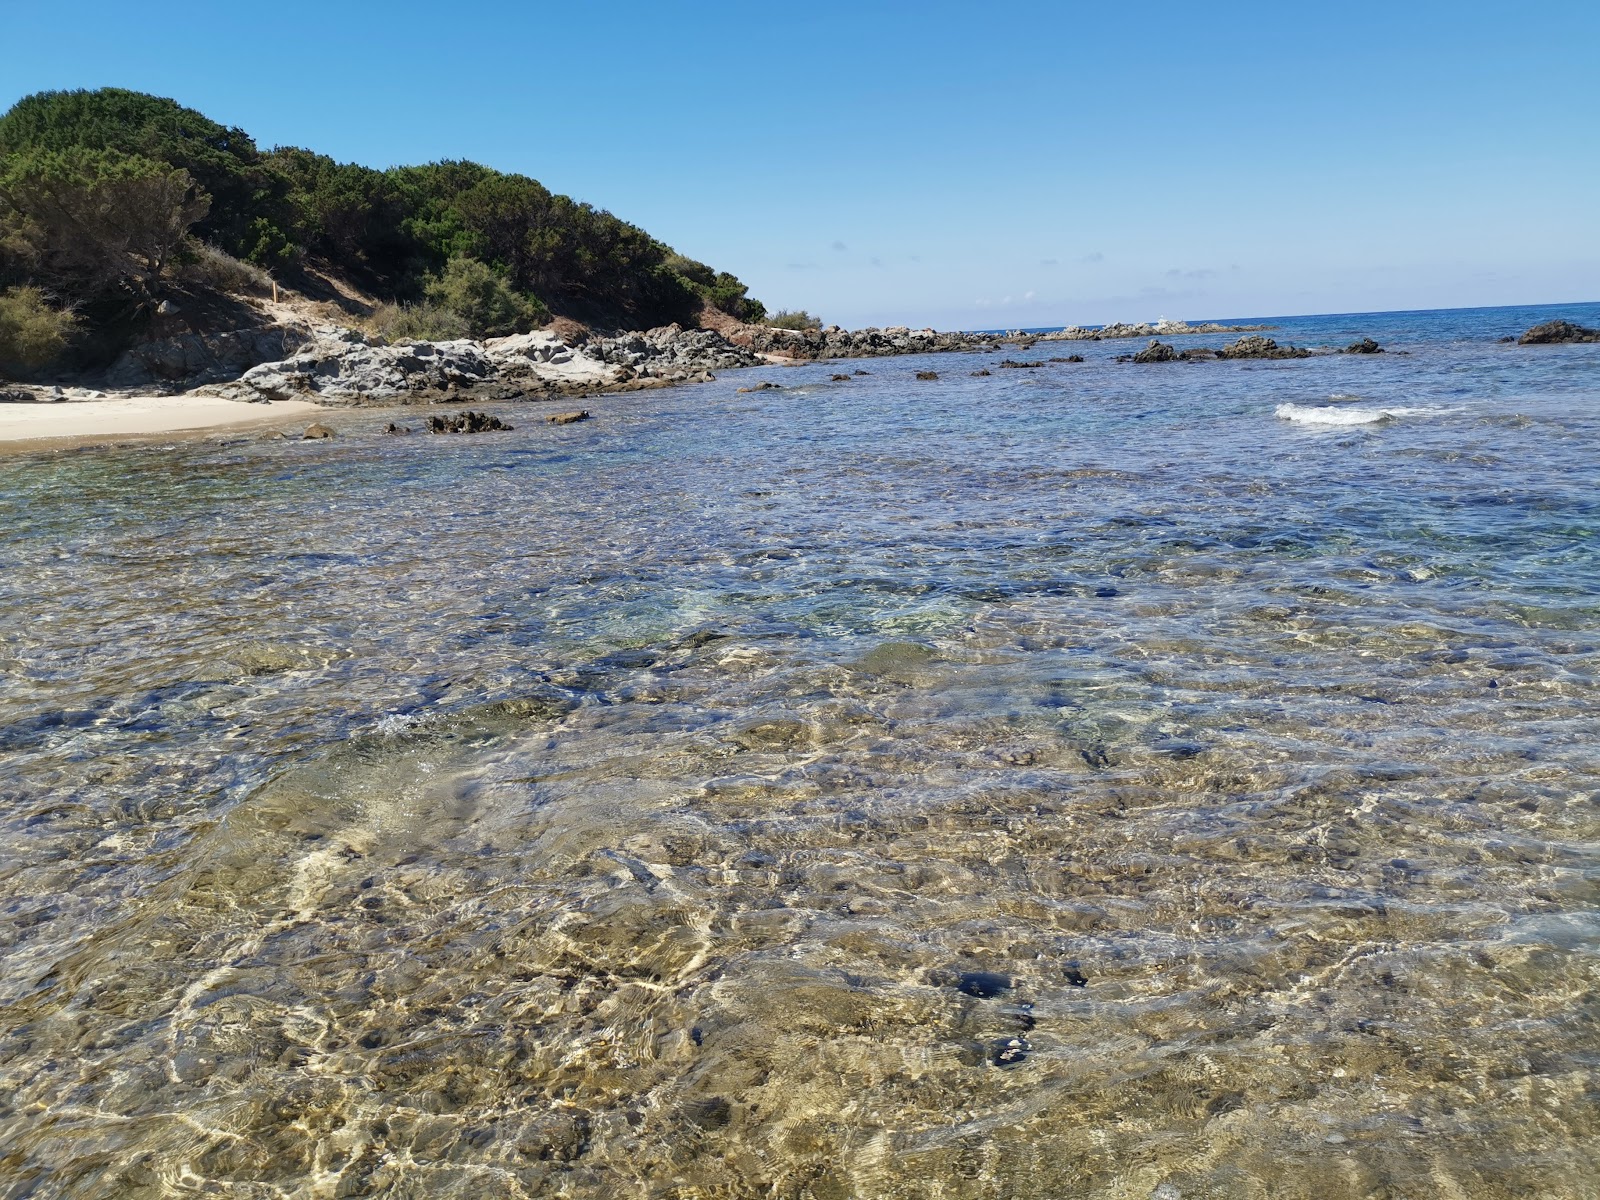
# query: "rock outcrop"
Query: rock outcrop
1142,329
1156,352
467,422
193,359
834,342
1364,346
1556,332
345,367
1261,347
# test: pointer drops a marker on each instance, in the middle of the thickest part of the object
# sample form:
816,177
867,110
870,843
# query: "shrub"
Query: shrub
32,334
417,323
483,300
217,269
798,319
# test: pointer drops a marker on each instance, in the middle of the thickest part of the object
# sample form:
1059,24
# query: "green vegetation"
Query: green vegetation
423,322
110,198
483,300
798,319
32,333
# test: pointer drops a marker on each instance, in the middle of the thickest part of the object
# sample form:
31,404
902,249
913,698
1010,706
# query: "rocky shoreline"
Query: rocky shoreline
337,366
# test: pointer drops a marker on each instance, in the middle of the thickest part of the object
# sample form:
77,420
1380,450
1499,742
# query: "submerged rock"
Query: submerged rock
927,374
1555,332
567,418
317,430
1009,1052
985,985
1364,346
1020,366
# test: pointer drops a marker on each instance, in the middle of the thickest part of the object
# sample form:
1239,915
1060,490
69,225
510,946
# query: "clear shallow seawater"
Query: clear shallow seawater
615,809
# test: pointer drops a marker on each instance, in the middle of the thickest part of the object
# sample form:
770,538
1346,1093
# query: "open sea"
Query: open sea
1105,780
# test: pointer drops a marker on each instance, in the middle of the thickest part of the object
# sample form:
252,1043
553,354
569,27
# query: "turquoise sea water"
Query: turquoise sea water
1100,780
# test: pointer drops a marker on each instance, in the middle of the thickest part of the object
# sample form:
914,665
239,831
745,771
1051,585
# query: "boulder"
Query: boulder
1555,332
316,431
927,375
1156,352
467,422
1364,346
567,418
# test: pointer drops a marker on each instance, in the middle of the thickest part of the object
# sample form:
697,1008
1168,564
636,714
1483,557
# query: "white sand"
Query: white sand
91,420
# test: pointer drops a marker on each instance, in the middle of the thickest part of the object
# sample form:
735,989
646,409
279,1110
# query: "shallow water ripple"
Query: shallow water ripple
1087,784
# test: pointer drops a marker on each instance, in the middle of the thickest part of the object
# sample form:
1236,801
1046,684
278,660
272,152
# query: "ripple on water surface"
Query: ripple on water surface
1083,785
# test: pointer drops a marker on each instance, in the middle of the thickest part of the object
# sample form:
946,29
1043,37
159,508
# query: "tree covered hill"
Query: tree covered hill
111,199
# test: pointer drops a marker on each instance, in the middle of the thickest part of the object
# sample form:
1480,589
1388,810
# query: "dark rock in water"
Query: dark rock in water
1105,593
1364,346
1074,976
1260,347
1009,1052
1021,366
765,385
858,371
985,985
1074,358
927,374
1022,1016
318,430
1198,354
467,422
979,374
567,418
393,428
1506,340
1554,332
839,378
1156,352
711,1113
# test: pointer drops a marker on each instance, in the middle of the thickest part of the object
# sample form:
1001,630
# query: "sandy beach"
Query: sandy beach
25,426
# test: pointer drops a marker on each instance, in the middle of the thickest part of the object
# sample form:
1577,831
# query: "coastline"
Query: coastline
43,426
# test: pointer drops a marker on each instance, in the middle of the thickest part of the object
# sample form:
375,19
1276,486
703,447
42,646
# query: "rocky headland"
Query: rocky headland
1141,329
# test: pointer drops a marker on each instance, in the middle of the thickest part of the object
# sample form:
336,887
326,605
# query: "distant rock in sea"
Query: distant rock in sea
1555,332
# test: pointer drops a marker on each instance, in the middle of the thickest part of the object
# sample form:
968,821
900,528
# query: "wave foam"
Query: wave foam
1306,415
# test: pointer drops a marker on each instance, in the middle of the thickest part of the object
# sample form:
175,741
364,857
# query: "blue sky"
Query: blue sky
949,164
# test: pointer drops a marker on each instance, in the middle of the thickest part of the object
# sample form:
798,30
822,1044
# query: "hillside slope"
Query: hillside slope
117,208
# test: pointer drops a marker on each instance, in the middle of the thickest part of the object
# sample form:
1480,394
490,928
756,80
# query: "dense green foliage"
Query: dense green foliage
483,300
102,191
798,319
32,333
92,218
